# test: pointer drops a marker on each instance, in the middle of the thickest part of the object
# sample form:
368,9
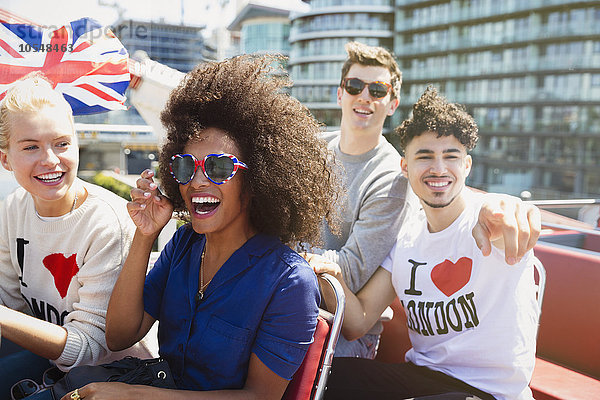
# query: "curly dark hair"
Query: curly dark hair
290,180
433,113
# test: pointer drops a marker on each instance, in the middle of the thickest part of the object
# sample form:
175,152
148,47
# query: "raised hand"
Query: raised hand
149,209
509,224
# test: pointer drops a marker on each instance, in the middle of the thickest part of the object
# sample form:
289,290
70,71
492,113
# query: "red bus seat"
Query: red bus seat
309,382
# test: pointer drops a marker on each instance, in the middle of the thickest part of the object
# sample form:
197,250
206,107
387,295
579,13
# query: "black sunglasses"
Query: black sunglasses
28,387
377,89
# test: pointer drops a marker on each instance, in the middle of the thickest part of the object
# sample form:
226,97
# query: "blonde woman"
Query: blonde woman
62,241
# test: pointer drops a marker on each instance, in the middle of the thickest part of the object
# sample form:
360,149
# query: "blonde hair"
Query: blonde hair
360,53
27,95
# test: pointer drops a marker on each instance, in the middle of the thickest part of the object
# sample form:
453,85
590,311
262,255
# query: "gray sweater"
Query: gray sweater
371,212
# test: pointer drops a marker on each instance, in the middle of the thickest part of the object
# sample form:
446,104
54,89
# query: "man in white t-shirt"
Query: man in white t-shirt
472,314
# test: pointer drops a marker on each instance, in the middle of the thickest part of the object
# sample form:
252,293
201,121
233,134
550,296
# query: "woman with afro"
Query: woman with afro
244,165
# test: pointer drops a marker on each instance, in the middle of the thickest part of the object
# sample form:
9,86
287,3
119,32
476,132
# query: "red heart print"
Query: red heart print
450,277
63,270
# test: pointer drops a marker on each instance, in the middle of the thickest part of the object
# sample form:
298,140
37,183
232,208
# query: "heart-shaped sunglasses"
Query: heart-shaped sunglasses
218,168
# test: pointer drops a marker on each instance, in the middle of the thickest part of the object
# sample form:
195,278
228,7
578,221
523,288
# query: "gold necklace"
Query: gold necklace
200,294
74,202
72,208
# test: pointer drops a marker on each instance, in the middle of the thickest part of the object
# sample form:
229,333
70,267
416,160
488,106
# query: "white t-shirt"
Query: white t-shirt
469,316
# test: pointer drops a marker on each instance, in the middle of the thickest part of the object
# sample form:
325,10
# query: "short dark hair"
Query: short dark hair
433,113
359,53
290,181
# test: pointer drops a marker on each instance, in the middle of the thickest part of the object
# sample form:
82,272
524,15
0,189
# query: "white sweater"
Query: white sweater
63,270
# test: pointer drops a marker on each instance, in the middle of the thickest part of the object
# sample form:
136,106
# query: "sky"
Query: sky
59,12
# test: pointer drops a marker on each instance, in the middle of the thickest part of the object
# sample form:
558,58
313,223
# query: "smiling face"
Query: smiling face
362,112
215,208
44,156
437,169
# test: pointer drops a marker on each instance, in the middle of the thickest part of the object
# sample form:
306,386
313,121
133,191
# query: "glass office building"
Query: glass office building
179,46
317,41
262,29
265,28
528,71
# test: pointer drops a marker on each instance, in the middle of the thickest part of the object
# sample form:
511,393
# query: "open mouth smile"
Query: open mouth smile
362,111
205,205
51,177
438,184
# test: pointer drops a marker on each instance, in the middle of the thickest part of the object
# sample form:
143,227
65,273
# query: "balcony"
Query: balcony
337,3
312,58
472,41
485,96
367,7
491,8
349,33
572,64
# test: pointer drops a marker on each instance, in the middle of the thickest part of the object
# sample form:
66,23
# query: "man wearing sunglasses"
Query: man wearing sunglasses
372,213
369,92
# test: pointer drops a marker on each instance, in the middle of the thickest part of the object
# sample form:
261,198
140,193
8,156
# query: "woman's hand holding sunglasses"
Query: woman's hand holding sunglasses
149,209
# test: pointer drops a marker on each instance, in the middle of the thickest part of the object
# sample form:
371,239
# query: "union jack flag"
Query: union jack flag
84,60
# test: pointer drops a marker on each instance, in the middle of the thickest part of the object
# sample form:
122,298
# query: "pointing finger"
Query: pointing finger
482,239
523,231
508,226
534,218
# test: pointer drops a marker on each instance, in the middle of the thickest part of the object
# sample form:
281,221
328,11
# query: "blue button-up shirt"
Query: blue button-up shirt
263,300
